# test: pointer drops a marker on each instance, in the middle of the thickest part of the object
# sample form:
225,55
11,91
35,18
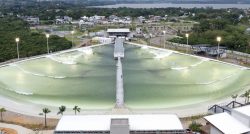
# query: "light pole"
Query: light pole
187,35
150,35
47,36
17,47
218,49
246,53
72,33
164,32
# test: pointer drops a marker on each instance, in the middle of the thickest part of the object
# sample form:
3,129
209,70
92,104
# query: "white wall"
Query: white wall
241,117
214,130
103,40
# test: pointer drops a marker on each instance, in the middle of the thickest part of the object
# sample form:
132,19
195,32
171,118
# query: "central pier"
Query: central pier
118,55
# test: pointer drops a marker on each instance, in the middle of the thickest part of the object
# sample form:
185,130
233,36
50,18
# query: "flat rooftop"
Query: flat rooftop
120,30
227,124
103,122
244,110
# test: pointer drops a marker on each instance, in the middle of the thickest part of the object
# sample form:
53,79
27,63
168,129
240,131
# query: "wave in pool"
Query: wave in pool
219,80
160,54
190,66
19,91
87,51
37,74
179,68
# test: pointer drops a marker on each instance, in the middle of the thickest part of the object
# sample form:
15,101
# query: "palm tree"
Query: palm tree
234,97
45,111
62,109
77,109
2,110
246,95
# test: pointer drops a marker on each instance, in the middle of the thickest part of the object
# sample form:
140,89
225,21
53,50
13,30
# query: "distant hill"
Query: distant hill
159,1
111,2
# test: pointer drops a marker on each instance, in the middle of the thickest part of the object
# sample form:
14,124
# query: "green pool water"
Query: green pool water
152,79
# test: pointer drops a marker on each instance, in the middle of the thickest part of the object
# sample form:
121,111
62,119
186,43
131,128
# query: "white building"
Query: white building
118,32
63,20
85,18
141,19
102,40
32,20
242,114
236,123
120,124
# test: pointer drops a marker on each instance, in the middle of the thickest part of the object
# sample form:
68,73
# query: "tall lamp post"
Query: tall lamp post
150,35
47,36
187,35
218,49
17,47
164,33
72,33
246,53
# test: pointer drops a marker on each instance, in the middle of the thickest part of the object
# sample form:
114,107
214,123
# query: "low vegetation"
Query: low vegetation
195,127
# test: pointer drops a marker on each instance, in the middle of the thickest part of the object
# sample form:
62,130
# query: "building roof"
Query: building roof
124,30
244,110
102,122
227,124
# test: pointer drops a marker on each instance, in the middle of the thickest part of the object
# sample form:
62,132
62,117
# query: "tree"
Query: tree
77,109
45,111
2,110
246,95
234,97
62,109
31,42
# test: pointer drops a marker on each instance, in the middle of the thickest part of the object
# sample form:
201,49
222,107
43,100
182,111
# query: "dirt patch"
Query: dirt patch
30,122
8,131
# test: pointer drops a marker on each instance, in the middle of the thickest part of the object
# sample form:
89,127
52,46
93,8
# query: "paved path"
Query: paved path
23,130
118,54
19,129
119,84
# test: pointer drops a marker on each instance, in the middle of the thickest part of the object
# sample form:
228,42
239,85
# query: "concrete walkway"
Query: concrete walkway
119,85
118,54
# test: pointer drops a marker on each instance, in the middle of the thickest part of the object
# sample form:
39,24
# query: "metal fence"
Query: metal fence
229,53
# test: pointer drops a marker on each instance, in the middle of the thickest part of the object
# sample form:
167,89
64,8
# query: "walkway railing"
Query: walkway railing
226,107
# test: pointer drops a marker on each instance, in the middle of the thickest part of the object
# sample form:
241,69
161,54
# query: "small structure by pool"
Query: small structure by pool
120,124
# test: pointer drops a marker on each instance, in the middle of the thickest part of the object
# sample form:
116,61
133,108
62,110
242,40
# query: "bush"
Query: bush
196,127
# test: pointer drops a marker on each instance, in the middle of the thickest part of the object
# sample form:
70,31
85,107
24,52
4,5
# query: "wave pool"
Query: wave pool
153,79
